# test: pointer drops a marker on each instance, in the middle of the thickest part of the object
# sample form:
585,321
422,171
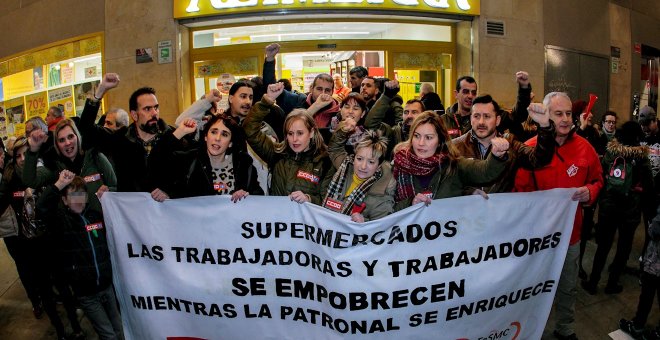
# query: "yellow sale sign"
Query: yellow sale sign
63,97
36,105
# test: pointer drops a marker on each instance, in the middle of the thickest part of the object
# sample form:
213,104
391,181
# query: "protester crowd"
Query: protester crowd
356,149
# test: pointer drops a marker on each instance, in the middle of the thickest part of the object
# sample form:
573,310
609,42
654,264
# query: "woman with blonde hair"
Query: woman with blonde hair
363,186
300,165
90,164
427,166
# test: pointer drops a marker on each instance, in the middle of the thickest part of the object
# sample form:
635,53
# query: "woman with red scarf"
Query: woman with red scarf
427,167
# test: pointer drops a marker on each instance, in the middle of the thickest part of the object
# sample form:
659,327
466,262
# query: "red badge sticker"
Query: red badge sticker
454,132
219,186
92,178
308,177
333,205
94,226
18,194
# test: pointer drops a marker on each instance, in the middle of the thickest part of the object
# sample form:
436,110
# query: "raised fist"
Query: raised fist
274,91
538,113
213,96
271,51
523,79
499,146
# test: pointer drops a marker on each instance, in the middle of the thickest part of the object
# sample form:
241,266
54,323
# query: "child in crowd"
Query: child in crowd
82,250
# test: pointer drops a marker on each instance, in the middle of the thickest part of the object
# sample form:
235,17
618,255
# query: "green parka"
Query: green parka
310,171
468,172
379,200
95,169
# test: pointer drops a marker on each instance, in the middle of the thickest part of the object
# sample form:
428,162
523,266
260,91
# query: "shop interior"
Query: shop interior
410,52
63,75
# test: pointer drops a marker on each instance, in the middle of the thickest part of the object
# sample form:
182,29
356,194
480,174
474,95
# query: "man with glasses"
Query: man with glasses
607,132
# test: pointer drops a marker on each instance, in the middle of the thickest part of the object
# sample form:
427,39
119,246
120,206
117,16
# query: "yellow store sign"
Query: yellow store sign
197,8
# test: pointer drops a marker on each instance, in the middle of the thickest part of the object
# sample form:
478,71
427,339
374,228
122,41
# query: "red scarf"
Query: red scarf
407,165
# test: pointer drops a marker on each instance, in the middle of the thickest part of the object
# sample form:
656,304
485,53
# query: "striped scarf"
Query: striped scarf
407,165
335,189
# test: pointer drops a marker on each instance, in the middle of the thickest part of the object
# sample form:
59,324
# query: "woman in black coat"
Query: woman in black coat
220,166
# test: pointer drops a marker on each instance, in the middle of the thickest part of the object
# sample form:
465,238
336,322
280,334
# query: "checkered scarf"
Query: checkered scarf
335,189
407,165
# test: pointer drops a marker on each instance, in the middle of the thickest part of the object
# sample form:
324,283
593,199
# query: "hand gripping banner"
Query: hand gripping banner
269,268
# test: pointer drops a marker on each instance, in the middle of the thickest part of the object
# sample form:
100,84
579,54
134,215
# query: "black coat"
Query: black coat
82,255
126,151
190,172
433,102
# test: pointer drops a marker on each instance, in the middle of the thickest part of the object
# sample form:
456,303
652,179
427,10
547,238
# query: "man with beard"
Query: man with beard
486,116
369,90
129,146
457,117
373,90
574,164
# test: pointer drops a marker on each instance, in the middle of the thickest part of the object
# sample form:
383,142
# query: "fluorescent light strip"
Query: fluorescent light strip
307,33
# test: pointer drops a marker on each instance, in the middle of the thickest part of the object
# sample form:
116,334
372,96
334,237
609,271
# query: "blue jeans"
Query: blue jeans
101,310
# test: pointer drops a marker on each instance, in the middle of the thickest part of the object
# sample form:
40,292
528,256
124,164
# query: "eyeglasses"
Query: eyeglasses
610,121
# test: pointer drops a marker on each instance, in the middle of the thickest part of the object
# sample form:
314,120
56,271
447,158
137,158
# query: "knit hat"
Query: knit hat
646,115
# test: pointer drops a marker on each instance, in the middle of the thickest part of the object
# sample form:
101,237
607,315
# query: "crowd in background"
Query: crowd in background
357,149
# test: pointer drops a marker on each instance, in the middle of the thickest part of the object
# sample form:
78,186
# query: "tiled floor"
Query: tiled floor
597,315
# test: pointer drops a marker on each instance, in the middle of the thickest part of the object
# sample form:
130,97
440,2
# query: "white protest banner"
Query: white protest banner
266,267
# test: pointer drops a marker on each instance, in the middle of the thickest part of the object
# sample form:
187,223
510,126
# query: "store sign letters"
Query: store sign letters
220,4
206,7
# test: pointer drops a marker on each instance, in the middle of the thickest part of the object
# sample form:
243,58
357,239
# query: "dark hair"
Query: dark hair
357,98
380,82
487,99
325,77
258,81
132,101
77,185
359,71
287,84
629,134
413,101
468,79
610,113
238,138
241,83
577,109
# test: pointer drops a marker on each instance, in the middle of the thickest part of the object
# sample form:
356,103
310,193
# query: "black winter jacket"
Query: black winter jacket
190,172
83,255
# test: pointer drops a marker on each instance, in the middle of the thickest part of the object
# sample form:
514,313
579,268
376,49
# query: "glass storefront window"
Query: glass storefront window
63,76
320,31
